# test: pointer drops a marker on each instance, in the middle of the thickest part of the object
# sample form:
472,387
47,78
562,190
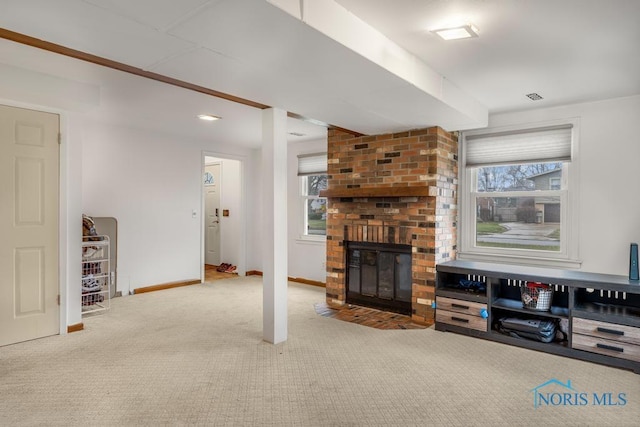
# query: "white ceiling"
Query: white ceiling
567,51
378,71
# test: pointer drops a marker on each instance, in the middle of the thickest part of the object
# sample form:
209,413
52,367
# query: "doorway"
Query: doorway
29,221
223,216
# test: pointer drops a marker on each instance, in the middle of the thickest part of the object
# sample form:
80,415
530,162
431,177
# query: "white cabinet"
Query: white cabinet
96,276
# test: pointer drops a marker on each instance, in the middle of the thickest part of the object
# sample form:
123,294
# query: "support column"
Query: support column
274,225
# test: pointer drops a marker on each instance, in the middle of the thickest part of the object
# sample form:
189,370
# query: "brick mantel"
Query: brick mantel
393,188
377,192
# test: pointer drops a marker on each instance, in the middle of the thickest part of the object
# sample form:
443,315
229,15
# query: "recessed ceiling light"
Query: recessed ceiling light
534,96
208,117
459,32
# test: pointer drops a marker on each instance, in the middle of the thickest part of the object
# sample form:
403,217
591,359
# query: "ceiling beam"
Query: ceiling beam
98,60
94,59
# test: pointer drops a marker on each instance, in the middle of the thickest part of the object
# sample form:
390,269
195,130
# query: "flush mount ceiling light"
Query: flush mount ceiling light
460,32
208,117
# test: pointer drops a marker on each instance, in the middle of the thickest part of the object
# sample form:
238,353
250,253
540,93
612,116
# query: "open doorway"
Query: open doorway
223,252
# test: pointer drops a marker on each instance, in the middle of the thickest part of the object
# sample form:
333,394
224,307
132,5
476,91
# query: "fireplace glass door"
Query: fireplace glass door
379,275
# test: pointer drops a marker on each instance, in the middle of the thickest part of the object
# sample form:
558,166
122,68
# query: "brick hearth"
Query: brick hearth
393,188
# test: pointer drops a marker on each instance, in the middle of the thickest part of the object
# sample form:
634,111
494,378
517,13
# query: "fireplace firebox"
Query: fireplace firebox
379,276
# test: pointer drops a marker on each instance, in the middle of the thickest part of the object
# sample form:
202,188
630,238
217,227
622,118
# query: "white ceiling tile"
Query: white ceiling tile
218,72
159,14
85,27
254,31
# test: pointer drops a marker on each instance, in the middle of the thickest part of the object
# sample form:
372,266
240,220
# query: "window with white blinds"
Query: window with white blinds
312,164
517,197
552,144
312,172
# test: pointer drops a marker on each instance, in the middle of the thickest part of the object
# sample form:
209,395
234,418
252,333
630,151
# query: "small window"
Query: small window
315,207
313,179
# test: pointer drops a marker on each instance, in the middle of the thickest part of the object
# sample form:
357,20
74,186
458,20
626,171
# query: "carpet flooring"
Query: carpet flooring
194,356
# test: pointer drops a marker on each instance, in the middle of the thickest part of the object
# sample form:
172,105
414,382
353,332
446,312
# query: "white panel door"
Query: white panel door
29,170
212,214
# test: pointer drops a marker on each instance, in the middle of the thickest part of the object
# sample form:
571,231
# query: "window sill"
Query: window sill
312,240
521,260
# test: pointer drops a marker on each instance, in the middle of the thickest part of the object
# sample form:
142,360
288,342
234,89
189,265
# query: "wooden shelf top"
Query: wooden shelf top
573,278
377,192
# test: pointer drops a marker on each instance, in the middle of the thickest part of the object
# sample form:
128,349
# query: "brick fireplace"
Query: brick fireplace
392,189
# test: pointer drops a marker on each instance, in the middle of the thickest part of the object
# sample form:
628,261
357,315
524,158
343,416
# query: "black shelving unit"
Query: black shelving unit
599,314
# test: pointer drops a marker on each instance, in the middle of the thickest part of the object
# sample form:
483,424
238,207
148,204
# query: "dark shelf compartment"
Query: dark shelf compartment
452,292
560,347
608,312
516,305
461,285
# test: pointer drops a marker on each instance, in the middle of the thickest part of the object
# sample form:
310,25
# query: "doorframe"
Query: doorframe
204,213
242,255
65,248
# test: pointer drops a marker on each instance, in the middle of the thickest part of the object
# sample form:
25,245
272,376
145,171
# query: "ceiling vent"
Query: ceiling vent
297,134
534,96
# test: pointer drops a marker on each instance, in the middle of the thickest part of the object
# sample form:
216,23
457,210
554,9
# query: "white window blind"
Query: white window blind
547,144
312,164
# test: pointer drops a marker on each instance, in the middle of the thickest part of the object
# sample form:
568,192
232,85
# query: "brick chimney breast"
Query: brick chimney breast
393,188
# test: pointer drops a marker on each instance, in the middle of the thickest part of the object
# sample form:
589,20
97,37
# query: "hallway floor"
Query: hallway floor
210,273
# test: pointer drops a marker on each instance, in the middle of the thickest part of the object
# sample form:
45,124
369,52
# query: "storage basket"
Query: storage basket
536,296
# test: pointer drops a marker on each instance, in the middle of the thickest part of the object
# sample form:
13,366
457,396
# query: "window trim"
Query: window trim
309,164
569,232
303,200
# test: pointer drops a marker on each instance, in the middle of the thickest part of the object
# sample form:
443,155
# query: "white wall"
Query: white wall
609,170
151,183
306,258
